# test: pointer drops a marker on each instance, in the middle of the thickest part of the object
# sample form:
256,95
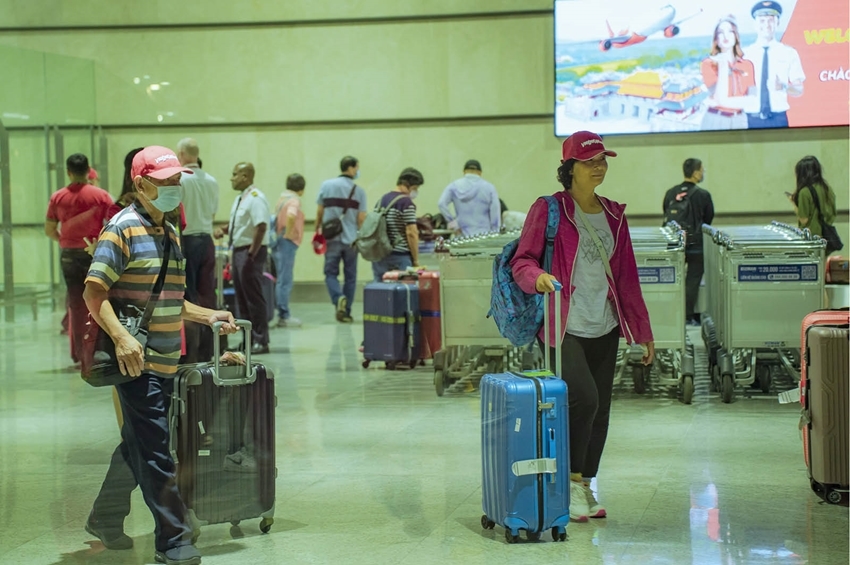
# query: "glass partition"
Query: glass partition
47,108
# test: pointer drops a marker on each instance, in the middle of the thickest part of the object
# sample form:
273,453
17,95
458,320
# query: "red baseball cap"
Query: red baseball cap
157,162
584,146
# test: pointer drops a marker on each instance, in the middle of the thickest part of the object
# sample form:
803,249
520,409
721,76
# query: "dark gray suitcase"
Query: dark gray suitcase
223,435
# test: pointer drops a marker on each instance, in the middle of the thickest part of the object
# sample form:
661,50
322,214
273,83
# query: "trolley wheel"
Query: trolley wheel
484,521
532,536
390,365
639,378
440,386
727,390
266,525
510,537
687,388
763,377
235,523
558,536
833,497
365,363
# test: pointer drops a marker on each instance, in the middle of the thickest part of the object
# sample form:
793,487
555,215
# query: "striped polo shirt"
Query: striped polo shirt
401,215
127,262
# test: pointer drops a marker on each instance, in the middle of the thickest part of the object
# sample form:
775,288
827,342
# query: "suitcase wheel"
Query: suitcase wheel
365,363
235,523
558,535
390,365
487,523
266,525
511,537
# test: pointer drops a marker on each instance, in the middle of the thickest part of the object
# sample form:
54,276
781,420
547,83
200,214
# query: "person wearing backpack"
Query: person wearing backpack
690,206
814,202
402,232
592,256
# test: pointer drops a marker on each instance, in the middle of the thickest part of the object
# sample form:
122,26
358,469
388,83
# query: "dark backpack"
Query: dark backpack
681,211
518,315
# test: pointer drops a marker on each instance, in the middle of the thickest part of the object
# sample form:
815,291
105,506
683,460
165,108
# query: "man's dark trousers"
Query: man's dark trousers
250,298
75,267
143,459
696,268
199,251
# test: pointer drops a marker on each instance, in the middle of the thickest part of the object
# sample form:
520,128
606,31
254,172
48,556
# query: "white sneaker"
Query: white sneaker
289,323
579,510
596,510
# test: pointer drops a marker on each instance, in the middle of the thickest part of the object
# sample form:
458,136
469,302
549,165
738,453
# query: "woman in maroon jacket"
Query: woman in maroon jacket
602,301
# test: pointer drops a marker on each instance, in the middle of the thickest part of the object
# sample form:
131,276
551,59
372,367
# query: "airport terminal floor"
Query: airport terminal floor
374,468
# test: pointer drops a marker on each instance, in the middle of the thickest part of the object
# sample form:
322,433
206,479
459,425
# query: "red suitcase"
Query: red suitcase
824,391
429,307
223,440
837,270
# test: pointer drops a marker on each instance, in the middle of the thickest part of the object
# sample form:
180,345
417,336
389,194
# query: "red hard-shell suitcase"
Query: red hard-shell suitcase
825,387
429,307
837,270
223,440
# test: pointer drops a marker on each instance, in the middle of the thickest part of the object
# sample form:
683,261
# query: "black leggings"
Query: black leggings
587,366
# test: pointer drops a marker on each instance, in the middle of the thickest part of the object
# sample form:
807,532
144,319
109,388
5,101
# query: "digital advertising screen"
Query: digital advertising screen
644,66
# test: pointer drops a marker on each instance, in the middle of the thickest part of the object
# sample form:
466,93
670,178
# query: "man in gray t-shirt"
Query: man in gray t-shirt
341,199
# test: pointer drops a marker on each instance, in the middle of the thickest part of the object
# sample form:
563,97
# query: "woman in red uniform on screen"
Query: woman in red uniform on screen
729,77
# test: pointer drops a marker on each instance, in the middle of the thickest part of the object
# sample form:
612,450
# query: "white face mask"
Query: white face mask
168,198
413,194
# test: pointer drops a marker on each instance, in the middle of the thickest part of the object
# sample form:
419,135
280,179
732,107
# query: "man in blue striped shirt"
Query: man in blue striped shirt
126,264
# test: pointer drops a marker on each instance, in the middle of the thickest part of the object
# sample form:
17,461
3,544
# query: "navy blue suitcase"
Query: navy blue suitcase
391,323
525,452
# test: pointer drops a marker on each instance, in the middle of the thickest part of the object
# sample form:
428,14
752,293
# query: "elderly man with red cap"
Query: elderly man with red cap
594,260
132,250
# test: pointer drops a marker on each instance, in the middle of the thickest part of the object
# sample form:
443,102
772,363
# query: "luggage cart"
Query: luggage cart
660,257
472,345
761,282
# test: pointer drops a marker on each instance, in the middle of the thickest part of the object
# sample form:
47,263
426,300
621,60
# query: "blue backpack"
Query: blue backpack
518,315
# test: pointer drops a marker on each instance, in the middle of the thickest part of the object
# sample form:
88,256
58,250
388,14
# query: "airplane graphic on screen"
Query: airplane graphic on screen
662,22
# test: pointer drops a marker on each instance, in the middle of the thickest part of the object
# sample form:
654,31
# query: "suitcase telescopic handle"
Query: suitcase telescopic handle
550,331
250,373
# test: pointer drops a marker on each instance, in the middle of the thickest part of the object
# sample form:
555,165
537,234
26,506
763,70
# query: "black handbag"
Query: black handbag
828,231
99,362
332,228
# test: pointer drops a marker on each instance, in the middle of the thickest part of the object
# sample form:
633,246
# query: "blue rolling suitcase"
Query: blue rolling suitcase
525,451
391,329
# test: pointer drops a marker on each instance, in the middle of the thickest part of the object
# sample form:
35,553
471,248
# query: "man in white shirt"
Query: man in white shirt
249,238
778,71
199,194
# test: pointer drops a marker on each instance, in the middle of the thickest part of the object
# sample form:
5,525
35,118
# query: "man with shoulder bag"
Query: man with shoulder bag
340,213
134,291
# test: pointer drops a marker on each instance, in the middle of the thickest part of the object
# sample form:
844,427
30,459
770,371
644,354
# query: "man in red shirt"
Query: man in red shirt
76,213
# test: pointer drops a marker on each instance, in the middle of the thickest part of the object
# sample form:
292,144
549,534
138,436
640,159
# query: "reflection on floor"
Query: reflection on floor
374,468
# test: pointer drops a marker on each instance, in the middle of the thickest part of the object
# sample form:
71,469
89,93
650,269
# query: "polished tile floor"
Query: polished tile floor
375,468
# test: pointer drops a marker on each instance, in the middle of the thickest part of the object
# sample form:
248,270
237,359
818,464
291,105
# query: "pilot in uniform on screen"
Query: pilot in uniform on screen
778,71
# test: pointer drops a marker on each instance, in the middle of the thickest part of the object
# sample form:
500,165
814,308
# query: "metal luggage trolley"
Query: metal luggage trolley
660,257
472,345
761,282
